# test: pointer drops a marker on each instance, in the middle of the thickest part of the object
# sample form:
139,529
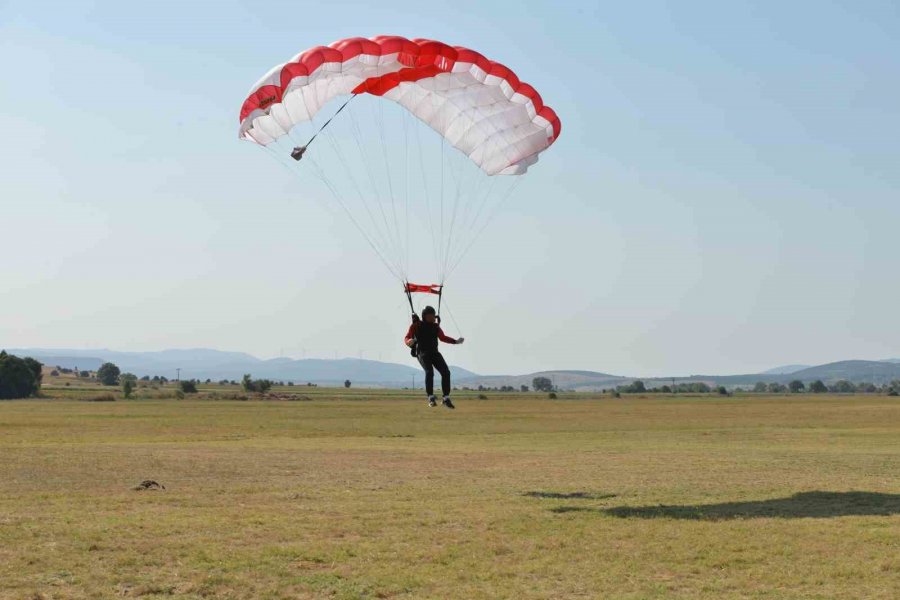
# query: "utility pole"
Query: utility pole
178,374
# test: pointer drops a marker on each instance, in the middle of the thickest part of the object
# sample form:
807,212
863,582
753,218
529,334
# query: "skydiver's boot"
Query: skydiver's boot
447,402
432,401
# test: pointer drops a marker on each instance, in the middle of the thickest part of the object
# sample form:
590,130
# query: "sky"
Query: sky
724,197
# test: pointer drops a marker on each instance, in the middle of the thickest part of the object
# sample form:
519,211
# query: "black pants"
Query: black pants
431,361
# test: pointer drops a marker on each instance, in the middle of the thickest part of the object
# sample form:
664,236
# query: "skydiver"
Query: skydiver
422,337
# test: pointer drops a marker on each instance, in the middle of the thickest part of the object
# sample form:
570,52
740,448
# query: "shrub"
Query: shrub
893,393
107,397
19,377
260,386
818,387
552,395
188,387
108,374
127,388
482,397
542,384
179,394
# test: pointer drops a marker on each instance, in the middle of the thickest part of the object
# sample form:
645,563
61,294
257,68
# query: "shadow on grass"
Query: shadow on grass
819,505
568,495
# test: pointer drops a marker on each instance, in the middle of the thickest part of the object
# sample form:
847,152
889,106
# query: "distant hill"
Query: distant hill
857,371
786,369
570,380
853,370
203,363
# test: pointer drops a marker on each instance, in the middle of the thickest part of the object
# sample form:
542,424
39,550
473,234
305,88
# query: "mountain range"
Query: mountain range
203,363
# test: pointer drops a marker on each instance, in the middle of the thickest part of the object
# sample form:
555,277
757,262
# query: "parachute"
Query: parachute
323,115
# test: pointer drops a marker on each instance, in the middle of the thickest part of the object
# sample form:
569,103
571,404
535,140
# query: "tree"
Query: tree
524,388
638,387
796,386
777,388
760,387
108,374
54,373
722,390
188,386
817,387
127,388
255,385
347,383
542,384
844,387
36,369
19,377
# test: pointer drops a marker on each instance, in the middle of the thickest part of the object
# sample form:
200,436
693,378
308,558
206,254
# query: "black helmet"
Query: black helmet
428,310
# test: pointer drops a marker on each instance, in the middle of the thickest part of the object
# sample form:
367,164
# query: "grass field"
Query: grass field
366,494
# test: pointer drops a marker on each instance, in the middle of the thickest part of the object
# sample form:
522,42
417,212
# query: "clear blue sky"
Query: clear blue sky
724,196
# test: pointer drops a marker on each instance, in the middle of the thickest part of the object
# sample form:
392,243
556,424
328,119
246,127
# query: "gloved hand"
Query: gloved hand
460,340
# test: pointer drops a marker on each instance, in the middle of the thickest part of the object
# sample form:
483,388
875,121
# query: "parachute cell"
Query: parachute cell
478,106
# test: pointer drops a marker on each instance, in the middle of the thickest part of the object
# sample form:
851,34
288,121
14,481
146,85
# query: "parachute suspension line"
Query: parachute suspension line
298,152
476,206
382,241
383,236
412,309
349,213
293,171
356,130
458,195
426,194
441,253
456,326
405,119
490,216
390,181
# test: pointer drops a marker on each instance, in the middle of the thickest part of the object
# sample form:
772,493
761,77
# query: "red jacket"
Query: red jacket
411,333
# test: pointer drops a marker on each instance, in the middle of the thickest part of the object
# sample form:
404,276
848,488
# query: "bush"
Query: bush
347,384
19,377
482,397
188,387
818,387
179,394
552,395
107,397
893,393
127,388
260,386
108,374
542,384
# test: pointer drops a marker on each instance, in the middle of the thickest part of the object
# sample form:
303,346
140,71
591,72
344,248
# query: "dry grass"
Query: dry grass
338,497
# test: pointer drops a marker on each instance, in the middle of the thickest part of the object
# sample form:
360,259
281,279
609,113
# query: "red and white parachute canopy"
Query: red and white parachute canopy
478,106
